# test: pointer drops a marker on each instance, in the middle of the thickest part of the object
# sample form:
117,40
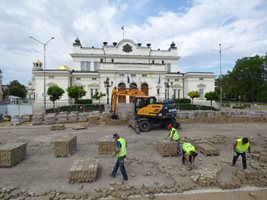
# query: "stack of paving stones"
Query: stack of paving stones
12,153
83,171
27,118
50,118
206,174
65,146
57,127
37,119
166,148
62,117
106,146
73,116
83,116
219,139
16,120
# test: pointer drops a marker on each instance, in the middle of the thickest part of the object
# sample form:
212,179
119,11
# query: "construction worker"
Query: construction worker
175,136
189,152
240,147
121,155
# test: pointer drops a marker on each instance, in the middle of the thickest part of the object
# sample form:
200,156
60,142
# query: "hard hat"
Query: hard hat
169,126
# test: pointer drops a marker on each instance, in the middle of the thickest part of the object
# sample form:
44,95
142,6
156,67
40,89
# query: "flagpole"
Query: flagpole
122,28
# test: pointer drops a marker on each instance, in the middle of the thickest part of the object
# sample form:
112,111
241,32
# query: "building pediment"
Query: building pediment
93,85
177,86
201,85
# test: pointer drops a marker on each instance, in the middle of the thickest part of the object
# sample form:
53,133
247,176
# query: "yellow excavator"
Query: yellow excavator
147,112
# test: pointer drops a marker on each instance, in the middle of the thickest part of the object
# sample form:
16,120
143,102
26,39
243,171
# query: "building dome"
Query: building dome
64,67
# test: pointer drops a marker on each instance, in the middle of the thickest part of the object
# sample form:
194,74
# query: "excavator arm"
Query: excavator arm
127,92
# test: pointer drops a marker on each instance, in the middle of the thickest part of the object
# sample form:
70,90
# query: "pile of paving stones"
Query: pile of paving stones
57,127
50,118
62,117
106,146
166,148
83,170
65,146
219,139
12,153
16,120
206,174
37,119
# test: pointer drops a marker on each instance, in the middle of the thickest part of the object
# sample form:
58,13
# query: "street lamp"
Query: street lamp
168,87
107,86
220,76
44,45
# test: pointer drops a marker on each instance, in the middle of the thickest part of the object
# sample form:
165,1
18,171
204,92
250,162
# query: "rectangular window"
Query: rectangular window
96,66
112,60
176,79
92,93
162,62
96,90
94,79
144,75
85,66
51,77
121,74
201,93
153,61
201,79
168,67
133,75
174,94
78,78
178,94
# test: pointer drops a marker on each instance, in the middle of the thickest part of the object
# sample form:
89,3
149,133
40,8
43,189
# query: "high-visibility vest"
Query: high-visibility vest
188,147
241,148
174,134
123,148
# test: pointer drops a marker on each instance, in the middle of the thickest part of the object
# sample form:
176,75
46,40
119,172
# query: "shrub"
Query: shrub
194,107
77,107
85,101
180,101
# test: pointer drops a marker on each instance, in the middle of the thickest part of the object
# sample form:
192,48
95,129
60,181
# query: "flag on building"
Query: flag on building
122,28
128,79
159,80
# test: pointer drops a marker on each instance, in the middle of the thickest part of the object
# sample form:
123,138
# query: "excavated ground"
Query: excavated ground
43,176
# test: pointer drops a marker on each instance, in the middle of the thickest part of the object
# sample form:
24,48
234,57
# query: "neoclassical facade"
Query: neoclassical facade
125,65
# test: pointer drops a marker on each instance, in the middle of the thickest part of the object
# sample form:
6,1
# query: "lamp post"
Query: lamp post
220,76
107,86
168,87
44,45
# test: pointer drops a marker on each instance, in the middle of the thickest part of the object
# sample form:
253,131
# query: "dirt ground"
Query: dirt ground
42,172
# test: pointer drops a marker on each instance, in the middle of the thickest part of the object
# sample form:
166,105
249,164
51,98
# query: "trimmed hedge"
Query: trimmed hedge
181,101
194,107
85,101
79,107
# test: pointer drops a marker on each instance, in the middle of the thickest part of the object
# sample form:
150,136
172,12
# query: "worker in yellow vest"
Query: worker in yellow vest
175,136
121,155
189,152
241,146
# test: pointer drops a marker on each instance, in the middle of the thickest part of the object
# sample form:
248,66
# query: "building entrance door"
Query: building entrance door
144,88
132,86
121,99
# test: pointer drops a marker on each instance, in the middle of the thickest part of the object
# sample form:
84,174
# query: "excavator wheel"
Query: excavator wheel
144,126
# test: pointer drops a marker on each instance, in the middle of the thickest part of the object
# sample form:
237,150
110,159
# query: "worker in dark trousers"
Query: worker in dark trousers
121,155
240,147
175,136
189,153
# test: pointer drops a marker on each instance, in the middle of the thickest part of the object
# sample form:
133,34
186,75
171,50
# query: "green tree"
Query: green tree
248,79
76,92
98,96
211,96
16,89
193,94
55,93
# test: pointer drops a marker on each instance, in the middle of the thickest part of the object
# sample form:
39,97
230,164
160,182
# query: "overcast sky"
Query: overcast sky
196,26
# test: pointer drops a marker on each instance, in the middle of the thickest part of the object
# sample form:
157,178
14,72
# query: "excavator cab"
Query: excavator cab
142,101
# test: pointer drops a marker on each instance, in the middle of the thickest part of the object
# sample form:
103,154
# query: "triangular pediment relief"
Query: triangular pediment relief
78,84
177,86
201,85
93,85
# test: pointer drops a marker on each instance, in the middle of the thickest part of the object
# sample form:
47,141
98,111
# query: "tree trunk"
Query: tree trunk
54,106
211,104
99,106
